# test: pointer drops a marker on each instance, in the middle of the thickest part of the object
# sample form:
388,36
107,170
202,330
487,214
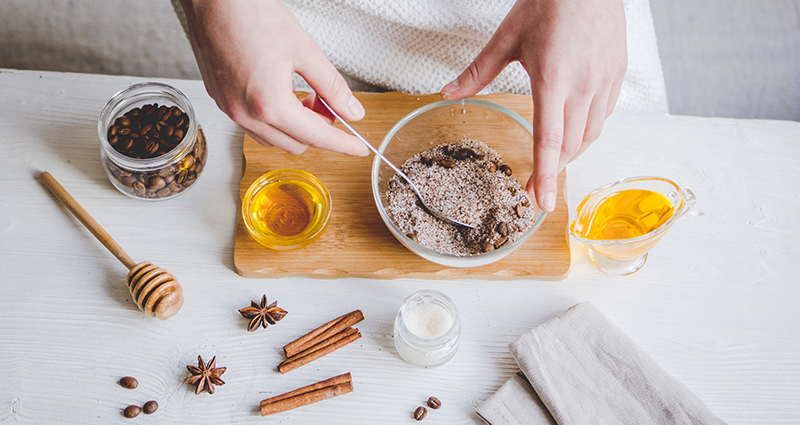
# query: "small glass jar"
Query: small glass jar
427,329
286,209
165,155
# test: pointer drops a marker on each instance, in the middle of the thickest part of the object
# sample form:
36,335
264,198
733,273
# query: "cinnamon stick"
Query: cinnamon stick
323,332
313,393
322,349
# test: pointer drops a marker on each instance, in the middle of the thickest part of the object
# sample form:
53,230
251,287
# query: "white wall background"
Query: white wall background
730,58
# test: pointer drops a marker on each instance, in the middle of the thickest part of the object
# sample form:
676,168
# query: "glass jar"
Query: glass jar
161,151
427,329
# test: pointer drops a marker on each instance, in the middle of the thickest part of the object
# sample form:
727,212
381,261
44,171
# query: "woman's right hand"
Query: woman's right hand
247,51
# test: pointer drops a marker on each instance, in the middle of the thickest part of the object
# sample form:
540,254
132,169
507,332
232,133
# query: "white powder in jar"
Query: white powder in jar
428,320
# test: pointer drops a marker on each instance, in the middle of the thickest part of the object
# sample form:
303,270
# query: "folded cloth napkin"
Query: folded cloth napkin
581,369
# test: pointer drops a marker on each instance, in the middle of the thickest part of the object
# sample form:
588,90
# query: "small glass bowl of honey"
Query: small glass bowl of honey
286,209
620,222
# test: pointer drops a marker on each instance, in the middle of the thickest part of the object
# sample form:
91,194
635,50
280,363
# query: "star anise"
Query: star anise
262,314
205,376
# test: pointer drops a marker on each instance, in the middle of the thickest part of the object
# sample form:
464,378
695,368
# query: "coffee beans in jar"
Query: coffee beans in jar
152,146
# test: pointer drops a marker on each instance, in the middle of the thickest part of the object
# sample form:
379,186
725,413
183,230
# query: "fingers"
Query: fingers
483,70
295,127
548,133
323,77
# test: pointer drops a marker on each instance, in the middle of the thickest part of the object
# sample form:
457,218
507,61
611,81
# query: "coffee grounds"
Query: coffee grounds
466,181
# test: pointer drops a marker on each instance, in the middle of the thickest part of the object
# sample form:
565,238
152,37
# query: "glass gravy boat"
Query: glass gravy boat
621,257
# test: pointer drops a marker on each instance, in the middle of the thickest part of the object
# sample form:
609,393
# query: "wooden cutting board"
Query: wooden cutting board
357,242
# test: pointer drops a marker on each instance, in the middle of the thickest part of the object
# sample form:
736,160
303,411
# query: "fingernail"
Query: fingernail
364,152
356,109
549,202
449,89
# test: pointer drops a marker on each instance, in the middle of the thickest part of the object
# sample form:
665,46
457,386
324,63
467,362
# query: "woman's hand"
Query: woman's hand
575,54
247,51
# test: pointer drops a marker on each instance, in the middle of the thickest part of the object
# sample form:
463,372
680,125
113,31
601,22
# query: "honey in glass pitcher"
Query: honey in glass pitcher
625,214
619,223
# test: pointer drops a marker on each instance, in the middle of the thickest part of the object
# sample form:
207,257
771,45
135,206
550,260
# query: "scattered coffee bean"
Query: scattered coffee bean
487,247
520,210
150,407
132,411
129,382
505,169
434,403
420,413
413,237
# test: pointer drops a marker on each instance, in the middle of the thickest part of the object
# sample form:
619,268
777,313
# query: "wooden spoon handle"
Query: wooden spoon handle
87,220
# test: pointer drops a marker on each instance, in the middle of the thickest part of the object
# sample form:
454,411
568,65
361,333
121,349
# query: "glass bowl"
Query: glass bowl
449,121
286,209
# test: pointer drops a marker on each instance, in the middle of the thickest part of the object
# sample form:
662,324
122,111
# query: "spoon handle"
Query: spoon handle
363,140
81,214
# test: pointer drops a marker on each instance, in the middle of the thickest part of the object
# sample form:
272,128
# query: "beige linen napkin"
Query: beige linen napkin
581,369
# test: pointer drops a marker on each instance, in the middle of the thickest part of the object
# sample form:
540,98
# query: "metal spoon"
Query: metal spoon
427,207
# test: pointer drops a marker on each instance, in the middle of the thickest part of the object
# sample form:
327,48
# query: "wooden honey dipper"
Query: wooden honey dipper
154,290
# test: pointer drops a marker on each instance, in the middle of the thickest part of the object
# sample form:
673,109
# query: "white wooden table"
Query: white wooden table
717,304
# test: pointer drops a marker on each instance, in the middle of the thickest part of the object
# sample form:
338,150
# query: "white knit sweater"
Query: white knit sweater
418,46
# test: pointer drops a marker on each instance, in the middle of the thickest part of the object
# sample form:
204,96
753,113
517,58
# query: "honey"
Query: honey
286,209
624,214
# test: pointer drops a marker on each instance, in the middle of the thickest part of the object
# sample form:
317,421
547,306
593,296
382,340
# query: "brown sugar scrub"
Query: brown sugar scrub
469,182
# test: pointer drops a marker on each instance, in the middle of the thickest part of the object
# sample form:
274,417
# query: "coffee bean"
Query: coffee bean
505,169
150,407
492,167
501,242
132,411
461,154
503,229
129,382
413,237
139,187
434,403
525,202
124,121
151,147
520,211
188,162
163,193
447,163
420,413
488,246
156,183
180,177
